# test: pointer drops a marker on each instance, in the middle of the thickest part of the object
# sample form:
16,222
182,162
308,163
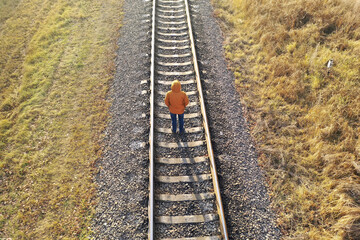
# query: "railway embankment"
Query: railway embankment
123,177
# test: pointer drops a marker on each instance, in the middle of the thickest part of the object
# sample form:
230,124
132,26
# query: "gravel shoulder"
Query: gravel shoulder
243,186
123,170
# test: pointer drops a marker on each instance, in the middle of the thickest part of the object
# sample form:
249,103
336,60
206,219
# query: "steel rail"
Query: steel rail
205,124
207,132
151,135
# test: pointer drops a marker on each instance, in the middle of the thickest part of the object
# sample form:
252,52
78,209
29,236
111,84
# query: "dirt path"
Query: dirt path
123,176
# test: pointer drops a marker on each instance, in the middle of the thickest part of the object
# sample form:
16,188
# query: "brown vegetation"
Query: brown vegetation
56,58
305,121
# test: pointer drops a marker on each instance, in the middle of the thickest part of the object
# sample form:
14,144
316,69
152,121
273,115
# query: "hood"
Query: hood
176,86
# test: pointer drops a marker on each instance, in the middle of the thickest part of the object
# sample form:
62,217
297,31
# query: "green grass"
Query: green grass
56,60
305,122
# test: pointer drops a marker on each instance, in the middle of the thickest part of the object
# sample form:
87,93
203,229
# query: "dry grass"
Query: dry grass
6,9
306,122
56,59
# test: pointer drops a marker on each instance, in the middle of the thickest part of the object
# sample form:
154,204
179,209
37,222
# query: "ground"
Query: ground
123,176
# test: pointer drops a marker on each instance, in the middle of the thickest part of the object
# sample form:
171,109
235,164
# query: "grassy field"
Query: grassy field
56,60
305,121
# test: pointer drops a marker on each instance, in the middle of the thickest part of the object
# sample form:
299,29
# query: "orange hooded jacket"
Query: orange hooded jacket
176,99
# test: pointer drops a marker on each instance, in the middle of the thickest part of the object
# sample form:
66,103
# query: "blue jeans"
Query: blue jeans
181,122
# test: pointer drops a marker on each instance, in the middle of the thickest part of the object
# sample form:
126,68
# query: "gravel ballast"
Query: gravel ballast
123,170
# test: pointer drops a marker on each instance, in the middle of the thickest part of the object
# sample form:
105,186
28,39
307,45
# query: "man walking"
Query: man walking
176,100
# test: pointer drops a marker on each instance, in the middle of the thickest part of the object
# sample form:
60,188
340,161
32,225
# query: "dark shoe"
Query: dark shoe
182,131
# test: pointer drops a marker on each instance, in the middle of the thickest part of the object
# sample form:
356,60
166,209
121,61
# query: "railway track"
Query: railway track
184,198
